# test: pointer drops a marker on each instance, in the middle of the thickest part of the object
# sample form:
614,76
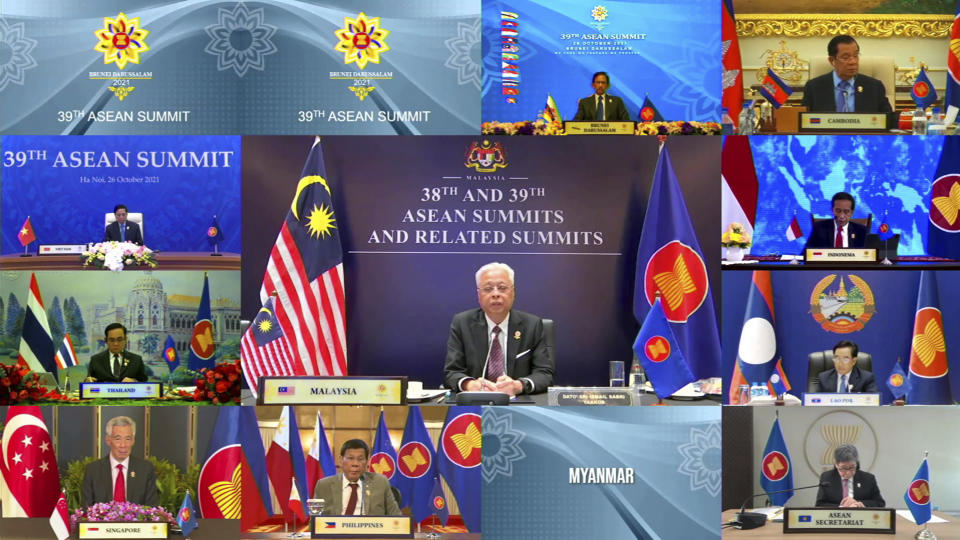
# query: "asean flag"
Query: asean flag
776,472
415,463
929,383
917,495
383,457
458,461
757,351
663,361
943,237
201,342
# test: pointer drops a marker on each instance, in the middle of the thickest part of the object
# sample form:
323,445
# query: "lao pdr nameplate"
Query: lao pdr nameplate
333,391
102,529
132,390
839,520
361,527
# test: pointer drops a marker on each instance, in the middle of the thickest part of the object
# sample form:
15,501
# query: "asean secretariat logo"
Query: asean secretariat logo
414,459
462,440
775,466
382,463
945,194
839,309
485,156
362,40
678,272
928,351
121,40
919,492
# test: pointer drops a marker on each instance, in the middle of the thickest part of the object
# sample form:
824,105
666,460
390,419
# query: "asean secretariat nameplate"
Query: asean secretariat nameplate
333,391
839,520
585,395
840,255
361,527
826,121
841,400
599,128
102,529
128,390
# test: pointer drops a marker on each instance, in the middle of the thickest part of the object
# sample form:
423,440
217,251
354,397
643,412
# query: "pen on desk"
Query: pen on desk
443,397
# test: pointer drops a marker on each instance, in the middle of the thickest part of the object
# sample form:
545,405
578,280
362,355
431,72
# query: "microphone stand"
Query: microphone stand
752,520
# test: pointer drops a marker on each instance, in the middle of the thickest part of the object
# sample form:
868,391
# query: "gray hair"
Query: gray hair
121,421
495,266
845,453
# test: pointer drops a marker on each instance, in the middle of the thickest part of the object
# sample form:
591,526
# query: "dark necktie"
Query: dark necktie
119,487
838,242
844,92
600,115
123,233
495,364
352,501
116,365
843,384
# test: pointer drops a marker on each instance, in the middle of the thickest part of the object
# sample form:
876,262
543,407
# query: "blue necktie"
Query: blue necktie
843,384
600,115
842,96
123,232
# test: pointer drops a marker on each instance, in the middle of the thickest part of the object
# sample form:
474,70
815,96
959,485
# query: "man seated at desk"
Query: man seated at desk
356,491
839,232
845,485
844,89
846,377
601,106
122,230
119,476
116,364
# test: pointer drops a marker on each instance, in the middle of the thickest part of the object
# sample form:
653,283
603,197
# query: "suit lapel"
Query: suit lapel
106,476
513,345
479,330
832,382
336,502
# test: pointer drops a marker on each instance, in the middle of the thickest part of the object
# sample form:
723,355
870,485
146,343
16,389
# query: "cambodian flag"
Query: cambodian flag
776,472
917,495
757,352
928,351
732,97
774,89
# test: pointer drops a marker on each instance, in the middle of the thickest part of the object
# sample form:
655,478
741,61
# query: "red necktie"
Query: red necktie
495,367
119,487
838,243
352,502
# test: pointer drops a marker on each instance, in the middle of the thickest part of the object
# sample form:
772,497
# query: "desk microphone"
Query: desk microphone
752,520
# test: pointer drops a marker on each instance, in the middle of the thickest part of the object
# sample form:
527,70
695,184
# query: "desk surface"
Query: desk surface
39,529
905,529
166,260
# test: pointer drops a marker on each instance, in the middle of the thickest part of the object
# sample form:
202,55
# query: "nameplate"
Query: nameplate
841,255
332,391
599,128
810,121
104,529
839,520
361,527
121,390
587,395
62,249
841,400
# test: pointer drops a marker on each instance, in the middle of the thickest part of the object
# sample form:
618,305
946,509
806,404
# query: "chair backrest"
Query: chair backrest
821,361
866,222
397,496
135,217
878,67
549,337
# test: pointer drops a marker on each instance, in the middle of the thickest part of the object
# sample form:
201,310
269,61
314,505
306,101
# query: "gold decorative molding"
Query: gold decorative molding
858,25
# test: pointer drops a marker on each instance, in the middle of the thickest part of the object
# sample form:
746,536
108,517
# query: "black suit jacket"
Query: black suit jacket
613,106
101,368
141,483
822,235
865,489
112,233
819,95
861,380
527,353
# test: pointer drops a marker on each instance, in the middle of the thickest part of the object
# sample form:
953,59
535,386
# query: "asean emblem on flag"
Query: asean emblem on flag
921,89
485,156
121,40
171,354
919,491
678,272
928,352
218,489
896,380
775,466
883,228
945,195
414,459
439,503
462,439
362,40
840,309
212,232
382,463
657,349
185,514
647,114
202,342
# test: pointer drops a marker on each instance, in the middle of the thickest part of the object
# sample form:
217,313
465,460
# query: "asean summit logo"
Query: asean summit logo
485,156
362,40
121,40
840,309
945,193
678,272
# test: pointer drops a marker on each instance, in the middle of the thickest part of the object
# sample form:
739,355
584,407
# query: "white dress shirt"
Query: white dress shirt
358,510
114,472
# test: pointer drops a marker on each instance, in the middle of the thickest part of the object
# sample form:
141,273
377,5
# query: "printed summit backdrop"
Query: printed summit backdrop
417,219
665,48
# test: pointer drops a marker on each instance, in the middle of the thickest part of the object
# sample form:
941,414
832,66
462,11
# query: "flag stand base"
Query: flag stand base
660,403
925,534
26,254
899,402
886,261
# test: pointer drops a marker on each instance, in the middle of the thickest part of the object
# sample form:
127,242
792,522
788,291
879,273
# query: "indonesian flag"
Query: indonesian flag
739,186
793,230
31,480
26,234
60,519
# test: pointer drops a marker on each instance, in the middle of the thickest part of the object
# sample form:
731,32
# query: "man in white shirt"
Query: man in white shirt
120,476
356,491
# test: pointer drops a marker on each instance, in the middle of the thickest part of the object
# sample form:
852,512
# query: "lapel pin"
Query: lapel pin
859,89
133,474
516,335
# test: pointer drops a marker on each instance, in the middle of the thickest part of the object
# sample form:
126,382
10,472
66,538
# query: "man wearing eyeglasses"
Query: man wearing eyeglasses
846,377
120,476
843,89
845,485
497,348
116,364
838,232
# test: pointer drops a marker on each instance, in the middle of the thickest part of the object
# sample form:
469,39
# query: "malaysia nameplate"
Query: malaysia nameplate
853,399
584,395
361,527
120,390
599,128
840,255
103,529
332,391
839,520
827,121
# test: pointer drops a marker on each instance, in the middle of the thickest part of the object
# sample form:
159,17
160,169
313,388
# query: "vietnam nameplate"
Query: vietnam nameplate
332,391
61,249
589,395
361,527
599,128
839,520
119,390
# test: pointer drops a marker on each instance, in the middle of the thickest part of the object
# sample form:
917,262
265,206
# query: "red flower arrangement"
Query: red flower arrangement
18,384
219,385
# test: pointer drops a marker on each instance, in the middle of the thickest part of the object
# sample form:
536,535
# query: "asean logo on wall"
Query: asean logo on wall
840,308
362,40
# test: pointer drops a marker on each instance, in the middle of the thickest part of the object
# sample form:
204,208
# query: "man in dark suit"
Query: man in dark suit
843,89
118,476
116,364
845,485
840,231
846,376
354,491
517,361
601,106
122,230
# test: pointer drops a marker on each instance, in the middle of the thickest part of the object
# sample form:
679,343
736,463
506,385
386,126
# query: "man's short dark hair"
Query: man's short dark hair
119,206
843,196
854,350
835,44
355,443
114,326
595,75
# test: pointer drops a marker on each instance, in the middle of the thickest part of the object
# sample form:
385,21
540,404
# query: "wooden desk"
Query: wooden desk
905,530
167,260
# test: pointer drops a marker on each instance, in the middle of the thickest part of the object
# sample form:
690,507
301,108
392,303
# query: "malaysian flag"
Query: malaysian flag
265,350
305,272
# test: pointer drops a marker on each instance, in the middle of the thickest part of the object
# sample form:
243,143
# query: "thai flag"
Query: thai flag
65,355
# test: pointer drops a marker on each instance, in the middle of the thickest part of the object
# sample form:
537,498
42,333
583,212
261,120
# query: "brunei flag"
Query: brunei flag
929,382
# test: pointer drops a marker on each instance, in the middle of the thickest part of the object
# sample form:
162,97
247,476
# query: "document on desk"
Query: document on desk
773,513
905,514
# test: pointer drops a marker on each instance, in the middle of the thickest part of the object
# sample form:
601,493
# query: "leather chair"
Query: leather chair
821,361
878,67
550,337
397,496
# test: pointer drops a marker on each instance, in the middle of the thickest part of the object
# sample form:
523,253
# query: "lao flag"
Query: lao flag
732,97
26,234
898,382
928,350
663,361
235,458
415,463
65,356
952,101
320,463
285,462
776,472
170,355
201,342
778,382
774,89
36,343
28,465
187,516
943,239
793,230
884,230
669,260
214,234
917,495
649,112
383,457
458,461
757,352
60,519
923,92
438,502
